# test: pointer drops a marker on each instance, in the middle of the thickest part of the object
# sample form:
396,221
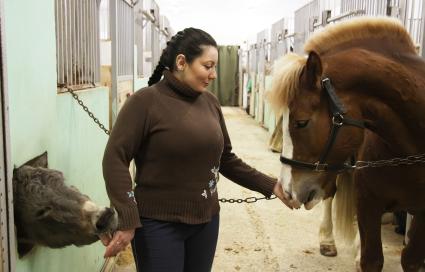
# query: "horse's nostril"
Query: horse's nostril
109,210
100,225
104,219
289,194
311,196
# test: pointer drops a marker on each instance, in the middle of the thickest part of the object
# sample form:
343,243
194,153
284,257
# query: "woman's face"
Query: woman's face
201,71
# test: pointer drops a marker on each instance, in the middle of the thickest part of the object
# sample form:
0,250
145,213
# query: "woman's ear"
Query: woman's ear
180,62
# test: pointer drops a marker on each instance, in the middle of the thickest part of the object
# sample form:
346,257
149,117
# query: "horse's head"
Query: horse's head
50,213
307,122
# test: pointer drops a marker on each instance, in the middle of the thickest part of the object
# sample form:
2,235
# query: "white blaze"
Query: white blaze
93,210
304,182
287,152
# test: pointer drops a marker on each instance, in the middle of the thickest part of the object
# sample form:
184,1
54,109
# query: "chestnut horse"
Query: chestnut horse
360,91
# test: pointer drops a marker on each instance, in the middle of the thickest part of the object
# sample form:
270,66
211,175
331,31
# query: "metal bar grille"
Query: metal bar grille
77,43
104,20
413,20
261,50
305,18
410,13
252,59
147,18
155,35
138,32
277,40
370,7
125,41
147,52
164,34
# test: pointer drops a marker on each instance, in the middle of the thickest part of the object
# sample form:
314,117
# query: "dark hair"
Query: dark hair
187,42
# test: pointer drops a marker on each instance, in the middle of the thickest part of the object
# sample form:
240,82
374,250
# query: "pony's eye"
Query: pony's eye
301,123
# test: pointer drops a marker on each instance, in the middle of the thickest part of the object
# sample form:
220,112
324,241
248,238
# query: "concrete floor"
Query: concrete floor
267,236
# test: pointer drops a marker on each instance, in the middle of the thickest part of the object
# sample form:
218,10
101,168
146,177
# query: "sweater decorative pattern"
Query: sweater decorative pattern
213,182
130,194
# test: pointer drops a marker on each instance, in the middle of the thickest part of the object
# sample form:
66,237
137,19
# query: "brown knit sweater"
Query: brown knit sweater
179,142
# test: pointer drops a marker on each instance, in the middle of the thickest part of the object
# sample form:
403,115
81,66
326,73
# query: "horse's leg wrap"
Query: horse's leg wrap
327,241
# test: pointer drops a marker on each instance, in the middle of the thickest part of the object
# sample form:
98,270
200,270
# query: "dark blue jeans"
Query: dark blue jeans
161,246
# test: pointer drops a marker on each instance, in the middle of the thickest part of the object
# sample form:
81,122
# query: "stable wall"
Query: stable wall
41,119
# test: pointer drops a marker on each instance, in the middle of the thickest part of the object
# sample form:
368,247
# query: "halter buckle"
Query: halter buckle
338,120
321,167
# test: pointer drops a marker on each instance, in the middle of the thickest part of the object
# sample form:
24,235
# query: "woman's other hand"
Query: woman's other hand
278,191
119,242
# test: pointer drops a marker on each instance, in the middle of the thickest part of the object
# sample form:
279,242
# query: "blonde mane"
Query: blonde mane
287,69
357,29
286,73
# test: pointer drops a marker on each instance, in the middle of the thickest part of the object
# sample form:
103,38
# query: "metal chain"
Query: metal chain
251,199
88,111
410,160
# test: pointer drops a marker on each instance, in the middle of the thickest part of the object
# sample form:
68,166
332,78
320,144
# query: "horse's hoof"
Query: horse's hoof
328,250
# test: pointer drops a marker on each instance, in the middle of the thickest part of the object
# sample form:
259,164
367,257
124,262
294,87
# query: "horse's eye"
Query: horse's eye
301,123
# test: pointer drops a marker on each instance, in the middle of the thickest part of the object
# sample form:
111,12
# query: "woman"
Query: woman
175,132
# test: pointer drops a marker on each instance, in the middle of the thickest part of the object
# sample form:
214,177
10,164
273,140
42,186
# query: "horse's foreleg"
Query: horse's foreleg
369,221
413,254
326,238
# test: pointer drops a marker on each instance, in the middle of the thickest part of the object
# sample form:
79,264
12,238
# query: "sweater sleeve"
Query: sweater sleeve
239,172
128,133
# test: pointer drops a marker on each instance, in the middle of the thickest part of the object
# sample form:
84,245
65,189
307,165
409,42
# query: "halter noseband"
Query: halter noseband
338,111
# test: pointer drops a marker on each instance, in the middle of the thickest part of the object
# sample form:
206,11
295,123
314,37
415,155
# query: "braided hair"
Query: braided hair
187,42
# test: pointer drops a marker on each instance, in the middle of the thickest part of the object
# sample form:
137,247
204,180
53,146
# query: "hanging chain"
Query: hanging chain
251,199
410,160
102,127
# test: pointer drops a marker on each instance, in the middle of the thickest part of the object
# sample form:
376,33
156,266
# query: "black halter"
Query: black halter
338,120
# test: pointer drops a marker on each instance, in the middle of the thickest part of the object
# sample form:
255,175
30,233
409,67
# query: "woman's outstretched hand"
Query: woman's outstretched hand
118,243
278,191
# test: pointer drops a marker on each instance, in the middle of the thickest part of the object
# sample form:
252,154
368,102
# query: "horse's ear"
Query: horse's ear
39,161
313,69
